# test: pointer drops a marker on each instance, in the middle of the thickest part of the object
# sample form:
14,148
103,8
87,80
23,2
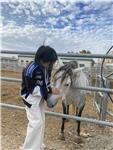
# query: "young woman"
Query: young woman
35,90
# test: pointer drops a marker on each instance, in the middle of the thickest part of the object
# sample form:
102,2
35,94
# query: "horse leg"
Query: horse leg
79,113
65,111
73,109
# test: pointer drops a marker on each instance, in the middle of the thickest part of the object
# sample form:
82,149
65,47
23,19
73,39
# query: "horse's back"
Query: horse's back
75,96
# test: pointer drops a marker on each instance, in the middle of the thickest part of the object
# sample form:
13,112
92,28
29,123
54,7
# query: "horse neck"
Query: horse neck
80,79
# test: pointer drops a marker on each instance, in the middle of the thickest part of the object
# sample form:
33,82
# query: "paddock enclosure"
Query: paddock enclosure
13,122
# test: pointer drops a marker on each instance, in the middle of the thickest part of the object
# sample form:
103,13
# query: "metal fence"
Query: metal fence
83,119
98,89
101,98
62,54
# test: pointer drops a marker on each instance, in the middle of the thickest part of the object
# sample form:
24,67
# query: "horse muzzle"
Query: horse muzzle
52,100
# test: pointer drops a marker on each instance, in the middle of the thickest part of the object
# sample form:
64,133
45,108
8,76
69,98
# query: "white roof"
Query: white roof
110,64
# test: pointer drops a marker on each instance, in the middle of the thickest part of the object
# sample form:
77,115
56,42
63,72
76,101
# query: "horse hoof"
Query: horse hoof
85,135
62,136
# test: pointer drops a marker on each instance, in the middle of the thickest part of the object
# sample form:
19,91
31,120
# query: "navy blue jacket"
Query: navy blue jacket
33,75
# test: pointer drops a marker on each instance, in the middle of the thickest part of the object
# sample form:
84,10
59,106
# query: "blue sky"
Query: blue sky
66,25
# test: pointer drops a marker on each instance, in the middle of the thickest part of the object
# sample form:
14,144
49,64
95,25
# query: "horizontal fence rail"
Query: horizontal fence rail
83,119
10,79
62,54
88,88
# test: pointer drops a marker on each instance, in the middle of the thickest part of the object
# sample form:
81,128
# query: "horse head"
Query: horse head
63,77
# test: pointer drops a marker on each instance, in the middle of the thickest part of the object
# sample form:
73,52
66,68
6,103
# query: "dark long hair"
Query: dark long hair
46,54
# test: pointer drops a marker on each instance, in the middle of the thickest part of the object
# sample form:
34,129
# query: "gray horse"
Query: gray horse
66,78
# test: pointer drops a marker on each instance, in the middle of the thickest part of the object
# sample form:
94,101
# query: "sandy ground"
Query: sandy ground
13,125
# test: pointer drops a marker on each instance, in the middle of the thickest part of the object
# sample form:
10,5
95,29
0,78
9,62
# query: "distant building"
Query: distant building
107,60
9,63
83,62
23,60
9,60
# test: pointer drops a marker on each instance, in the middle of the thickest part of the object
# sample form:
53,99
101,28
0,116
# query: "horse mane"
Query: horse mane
67,69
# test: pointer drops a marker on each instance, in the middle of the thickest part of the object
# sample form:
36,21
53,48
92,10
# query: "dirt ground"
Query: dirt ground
14,123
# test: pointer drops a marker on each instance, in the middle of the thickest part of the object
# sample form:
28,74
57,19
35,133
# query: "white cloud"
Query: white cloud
97,39
61,39
11,5
27,12
52,21
48,8
61,1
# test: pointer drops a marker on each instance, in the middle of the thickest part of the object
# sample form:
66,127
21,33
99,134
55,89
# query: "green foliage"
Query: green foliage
85,52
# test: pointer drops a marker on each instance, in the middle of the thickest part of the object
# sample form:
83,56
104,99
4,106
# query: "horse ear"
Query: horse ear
78,70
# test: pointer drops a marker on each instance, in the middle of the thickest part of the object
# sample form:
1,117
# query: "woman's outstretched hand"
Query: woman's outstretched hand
55,91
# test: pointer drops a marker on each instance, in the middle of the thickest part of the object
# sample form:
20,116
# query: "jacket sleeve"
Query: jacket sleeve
36,91
30,84
40,84
35,87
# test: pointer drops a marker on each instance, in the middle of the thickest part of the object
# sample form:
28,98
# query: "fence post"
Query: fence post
101,98
97,97
104,101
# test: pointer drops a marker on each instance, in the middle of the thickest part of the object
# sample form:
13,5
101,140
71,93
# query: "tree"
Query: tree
85,51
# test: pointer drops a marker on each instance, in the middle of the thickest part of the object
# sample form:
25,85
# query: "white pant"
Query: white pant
35,129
